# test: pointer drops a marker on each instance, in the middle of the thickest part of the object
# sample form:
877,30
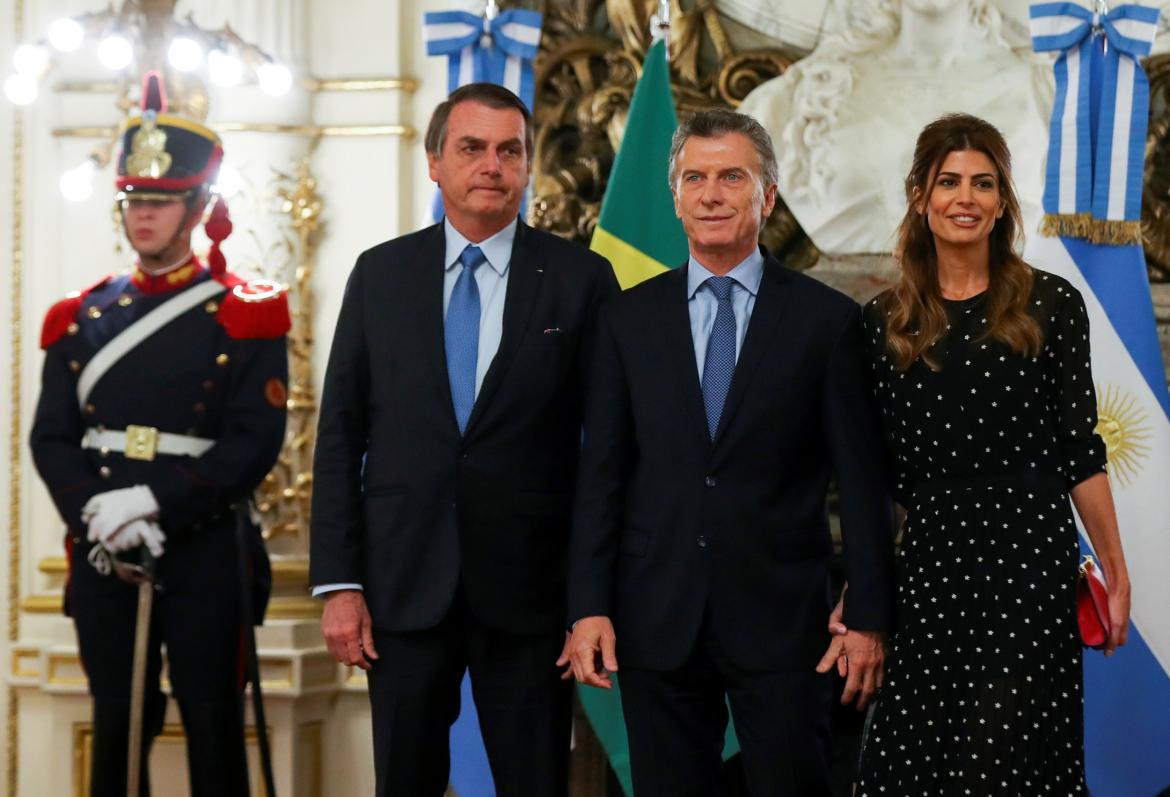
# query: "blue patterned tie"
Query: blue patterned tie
461,335
719,364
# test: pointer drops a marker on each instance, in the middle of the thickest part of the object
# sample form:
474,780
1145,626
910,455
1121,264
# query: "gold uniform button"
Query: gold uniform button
104,471
95,312
124,300
222,359
72,329
90,409
74,366
212,306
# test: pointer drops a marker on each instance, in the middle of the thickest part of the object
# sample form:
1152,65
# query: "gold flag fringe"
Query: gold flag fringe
1098,231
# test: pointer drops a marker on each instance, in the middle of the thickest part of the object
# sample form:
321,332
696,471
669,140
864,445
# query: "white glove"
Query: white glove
107,512
135,533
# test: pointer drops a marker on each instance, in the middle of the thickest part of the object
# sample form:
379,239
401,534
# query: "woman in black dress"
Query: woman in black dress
981,370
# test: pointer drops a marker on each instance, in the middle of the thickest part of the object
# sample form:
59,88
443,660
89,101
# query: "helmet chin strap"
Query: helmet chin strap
179,262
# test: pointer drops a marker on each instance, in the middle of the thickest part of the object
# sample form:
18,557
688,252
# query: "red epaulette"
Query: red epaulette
63,314
253,308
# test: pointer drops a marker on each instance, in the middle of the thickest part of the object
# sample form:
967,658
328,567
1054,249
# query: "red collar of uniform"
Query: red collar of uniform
172,280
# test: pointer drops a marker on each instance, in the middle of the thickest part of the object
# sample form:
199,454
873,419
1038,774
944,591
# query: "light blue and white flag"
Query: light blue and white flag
1127,697
483,50
1093,182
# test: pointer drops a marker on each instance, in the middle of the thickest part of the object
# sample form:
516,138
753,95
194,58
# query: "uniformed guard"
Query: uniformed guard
162,407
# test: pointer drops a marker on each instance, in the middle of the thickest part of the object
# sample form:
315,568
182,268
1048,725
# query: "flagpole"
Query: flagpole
660,25
1102,10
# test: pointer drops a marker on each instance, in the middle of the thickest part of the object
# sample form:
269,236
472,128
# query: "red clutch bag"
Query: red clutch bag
1092,605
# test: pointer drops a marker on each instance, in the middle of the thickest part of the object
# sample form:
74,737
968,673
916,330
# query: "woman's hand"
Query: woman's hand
1117,590
1094,502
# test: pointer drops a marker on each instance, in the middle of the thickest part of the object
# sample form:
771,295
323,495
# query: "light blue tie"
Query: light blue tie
719,364
461,335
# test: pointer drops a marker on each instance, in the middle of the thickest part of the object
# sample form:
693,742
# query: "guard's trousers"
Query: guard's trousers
196,615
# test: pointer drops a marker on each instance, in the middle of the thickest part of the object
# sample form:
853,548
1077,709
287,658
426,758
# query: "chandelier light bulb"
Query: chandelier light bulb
229,183
224,69
275,79
185,54
66,34
31,60
20,89
77,183
115,52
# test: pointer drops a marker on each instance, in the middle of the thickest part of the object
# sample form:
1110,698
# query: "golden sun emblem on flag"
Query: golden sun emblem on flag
1122,425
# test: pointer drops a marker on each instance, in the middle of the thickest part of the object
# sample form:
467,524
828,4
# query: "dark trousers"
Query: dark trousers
524,708
196,615
676,721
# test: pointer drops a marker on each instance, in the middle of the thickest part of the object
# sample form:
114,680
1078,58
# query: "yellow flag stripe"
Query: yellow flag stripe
630,264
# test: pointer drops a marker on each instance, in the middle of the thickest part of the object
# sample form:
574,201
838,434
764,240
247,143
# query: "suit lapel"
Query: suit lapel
525,273
766,315
430,307
680,346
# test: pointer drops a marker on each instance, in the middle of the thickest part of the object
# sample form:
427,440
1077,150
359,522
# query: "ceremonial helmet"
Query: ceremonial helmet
167,157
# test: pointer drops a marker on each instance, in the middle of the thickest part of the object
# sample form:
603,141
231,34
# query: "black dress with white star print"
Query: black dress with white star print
983,688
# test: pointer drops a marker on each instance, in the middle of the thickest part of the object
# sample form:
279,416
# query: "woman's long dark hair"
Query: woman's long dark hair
916,315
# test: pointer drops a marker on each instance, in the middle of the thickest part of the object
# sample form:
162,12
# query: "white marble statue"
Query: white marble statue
844,119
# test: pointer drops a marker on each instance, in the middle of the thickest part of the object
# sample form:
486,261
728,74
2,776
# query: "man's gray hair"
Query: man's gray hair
716,123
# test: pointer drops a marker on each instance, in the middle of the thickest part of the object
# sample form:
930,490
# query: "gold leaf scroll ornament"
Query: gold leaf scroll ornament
148,152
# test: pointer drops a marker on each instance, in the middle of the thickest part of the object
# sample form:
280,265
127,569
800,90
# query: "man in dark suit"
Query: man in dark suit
724,395
446,454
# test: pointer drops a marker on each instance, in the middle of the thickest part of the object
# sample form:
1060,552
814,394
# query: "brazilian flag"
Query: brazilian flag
640,235
637,231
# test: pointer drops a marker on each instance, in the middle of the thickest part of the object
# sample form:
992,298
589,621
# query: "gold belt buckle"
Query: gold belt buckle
141,442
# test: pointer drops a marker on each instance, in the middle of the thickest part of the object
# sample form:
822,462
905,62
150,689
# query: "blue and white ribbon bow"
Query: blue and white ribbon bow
499,50
1097,139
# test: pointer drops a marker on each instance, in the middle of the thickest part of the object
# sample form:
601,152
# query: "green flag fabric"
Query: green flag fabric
640,235
637,230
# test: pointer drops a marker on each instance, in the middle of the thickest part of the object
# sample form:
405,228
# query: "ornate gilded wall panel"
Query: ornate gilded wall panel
1156,197
590,59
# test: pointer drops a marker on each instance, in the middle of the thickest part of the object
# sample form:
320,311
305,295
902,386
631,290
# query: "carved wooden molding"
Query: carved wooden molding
590,59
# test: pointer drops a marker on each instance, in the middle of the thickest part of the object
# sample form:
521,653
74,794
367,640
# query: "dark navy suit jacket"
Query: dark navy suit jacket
669,525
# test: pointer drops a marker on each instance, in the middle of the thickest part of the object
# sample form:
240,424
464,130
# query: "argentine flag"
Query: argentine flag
498,50
1127,697
1094,171
489,49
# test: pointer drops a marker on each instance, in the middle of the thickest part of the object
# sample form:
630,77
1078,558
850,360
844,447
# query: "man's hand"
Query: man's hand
565,659
865,662
836,652
347,628
592,643
105,513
